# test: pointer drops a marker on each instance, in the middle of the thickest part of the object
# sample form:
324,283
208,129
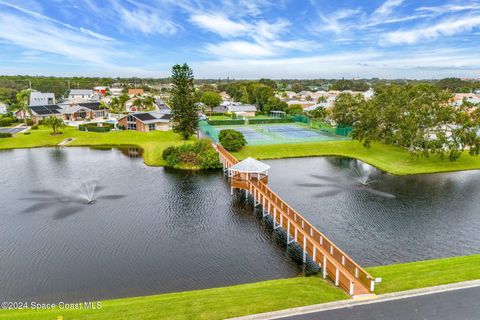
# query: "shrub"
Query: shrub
34,127
29,122
232,140
6,121
199,154
5,135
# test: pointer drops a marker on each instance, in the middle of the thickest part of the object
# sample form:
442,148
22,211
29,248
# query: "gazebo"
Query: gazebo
246,170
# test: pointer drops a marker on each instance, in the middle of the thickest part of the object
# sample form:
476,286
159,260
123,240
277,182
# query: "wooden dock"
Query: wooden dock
334,263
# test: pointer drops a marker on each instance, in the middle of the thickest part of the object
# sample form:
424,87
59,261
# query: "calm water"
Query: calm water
153,230
394,219
163,231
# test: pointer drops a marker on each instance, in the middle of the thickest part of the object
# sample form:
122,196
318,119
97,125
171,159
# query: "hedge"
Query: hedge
93,127
250,121
5,135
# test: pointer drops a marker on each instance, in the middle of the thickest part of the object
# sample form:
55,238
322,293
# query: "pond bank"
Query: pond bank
220,303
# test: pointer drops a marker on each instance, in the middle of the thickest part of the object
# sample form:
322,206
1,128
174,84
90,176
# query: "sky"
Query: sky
241,39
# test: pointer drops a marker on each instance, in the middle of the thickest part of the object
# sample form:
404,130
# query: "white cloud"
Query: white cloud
333,22
219,24
41,16
386,8
444,28
449,8
43,36
229,49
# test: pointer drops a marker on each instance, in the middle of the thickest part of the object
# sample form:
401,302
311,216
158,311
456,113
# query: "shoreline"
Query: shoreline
265,296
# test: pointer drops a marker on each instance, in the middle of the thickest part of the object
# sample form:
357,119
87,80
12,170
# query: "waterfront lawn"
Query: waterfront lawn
385,157
217,303
413,275
153,143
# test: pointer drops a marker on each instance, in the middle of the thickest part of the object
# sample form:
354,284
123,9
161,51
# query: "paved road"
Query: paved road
461,304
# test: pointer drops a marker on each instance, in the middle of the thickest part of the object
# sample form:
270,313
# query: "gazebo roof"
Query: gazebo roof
250,165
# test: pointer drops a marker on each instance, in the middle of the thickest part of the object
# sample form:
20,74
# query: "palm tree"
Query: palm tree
148,102
22,101
138,103
55,123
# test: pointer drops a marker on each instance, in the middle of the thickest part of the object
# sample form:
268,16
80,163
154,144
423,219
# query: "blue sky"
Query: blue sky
241,39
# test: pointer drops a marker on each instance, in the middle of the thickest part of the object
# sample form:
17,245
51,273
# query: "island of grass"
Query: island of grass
245,299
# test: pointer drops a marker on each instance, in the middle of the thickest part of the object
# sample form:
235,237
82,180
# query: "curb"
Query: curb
361,301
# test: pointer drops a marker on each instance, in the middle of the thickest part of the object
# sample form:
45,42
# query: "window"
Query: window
100,114
151,126
131,126
130,118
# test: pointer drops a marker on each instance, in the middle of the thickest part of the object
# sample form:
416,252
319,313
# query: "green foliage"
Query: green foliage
274,104
54,123
353,85
295,109
199,154
232,140
5,135
420,118
268,82
211,99
6,121
346,107
456,85
93,127
297,87
182,101
34,127
318,114
250,92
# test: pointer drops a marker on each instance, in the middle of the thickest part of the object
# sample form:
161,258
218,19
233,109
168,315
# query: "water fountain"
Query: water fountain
67,203
360,179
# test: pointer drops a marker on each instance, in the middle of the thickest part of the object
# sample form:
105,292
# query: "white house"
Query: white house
38,98
3,108
86,94
247,110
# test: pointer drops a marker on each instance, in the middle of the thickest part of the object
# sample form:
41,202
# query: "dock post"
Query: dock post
324,267
304,249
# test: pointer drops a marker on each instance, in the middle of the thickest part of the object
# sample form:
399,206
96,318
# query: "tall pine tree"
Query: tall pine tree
182,101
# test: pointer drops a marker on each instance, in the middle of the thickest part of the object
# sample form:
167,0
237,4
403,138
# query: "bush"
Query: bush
34,127
6,121
29,122
232,140
199,154
93,127
5,135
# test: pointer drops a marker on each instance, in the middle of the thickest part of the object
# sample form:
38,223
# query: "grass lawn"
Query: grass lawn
219,303
153,143
413,275
388,158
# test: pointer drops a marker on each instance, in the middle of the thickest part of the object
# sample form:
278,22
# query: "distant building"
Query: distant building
134,92
86,94
38,113
147,121
3,108
247,110
38,98
82,111
100,90
302,103
115,91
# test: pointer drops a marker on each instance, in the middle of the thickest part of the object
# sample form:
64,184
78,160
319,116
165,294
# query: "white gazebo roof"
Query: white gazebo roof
250,165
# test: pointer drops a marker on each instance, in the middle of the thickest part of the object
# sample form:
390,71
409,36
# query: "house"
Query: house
161,105
247,110
134,92
100,90
147,121
85,94
38,113
116,91
82,111
3,108
38,98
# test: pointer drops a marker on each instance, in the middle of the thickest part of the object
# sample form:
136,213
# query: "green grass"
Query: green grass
413,275
220,303
153,143
217,303
388,158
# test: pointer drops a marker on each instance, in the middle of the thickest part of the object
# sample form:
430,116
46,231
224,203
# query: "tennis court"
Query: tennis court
258,134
